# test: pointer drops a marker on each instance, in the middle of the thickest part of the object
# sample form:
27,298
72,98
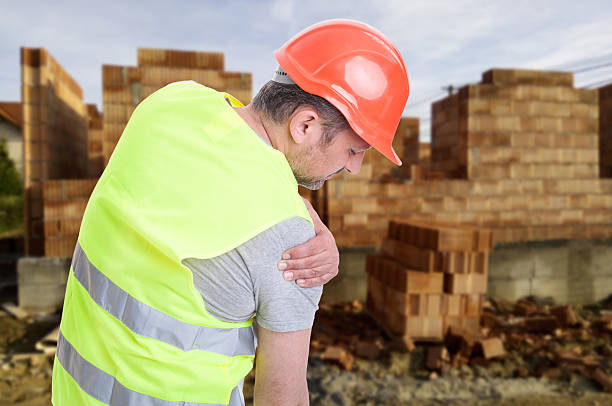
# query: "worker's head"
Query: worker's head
319,140
356,69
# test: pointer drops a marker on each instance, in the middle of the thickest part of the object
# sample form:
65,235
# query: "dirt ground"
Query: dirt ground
394,378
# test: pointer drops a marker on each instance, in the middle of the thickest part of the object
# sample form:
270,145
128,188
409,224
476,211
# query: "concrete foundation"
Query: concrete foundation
351,281
572,272
41,283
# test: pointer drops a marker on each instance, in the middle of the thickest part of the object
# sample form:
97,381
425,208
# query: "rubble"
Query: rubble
517,340
15,311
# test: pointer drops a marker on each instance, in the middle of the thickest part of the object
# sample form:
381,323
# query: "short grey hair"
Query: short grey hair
277,101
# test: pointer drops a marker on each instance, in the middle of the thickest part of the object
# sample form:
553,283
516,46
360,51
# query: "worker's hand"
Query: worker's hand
316,261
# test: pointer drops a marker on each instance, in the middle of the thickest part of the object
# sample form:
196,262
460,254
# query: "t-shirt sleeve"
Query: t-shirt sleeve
281,305
246,280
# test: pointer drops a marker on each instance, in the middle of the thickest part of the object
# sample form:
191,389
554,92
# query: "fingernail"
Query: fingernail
288,275
301,281
286,256
282,265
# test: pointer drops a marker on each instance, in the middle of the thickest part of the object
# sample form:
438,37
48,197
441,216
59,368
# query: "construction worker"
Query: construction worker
178,252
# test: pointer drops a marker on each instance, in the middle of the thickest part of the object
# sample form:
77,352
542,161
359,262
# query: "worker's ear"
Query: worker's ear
305,124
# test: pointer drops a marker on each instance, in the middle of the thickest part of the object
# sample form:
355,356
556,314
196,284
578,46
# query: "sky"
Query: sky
445,42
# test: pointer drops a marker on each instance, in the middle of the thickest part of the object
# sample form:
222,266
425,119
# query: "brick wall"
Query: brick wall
62,206
125,86
525,144
95,164
54,135
64,203
605,131
517,124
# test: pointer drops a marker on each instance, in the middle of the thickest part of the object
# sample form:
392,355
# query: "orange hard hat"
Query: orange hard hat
358,70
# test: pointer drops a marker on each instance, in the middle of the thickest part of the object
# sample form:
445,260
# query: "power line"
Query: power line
424,99
579,63
594,67
600,83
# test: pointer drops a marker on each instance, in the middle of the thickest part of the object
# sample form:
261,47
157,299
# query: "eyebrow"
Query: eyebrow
368,146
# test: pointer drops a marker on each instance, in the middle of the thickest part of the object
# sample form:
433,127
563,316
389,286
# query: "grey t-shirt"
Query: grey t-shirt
246,280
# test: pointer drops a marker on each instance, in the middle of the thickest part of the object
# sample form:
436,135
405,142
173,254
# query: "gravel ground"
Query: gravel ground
396,378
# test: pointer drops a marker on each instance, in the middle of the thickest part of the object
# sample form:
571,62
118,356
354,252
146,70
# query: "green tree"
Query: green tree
10,182
10,192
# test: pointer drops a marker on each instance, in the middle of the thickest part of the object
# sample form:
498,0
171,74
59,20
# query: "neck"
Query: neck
271,132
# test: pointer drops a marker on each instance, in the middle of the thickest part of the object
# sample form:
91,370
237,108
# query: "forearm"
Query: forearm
269,394
280,368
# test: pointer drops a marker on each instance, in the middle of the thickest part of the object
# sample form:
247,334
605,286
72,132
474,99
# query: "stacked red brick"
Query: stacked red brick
125,86
64,206
54,135
94,143
517,124
605,131
527,143
428,278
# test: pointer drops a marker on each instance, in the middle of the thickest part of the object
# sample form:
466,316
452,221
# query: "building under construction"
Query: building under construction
511,199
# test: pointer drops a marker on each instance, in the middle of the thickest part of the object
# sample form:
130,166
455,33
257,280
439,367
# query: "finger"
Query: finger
309,273
311,247
312,261
309,283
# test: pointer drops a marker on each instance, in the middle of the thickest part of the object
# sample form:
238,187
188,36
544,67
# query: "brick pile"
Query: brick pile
64,205
605,131
428,278
542,339
54,135
517,124
525,143
94,143
125,86
531,337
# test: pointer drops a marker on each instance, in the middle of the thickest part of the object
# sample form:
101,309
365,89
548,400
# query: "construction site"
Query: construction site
477,273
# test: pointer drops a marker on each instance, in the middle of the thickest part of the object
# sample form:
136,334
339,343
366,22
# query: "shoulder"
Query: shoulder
283,235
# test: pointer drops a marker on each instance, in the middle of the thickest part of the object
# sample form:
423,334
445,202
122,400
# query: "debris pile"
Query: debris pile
530,338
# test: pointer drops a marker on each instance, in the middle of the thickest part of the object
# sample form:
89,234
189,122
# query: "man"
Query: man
179,246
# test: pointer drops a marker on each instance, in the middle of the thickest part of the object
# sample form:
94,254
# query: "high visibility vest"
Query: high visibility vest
188,179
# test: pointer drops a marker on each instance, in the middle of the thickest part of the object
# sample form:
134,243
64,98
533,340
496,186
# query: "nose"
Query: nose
353,165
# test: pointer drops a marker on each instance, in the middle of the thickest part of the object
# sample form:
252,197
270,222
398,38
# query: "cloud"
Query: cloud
443,42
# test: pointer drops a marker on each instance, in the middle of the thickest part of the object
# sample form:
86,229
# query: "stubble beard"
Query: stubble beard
299,165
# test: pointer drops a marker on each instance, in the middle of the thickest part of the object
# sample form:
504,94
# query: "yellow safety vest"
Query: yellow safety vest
188,179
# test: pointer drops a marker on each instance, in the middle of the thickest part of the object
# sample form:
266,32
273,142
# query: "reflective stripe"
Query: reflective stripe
105,388
146,321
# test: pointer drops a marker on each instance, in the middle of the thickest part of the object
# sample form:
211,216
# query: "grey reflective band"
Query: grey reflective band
146,321
105,388
280,76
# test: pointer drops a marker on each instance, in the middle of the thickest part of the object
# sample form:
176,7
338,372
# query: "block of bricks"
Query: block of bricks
416,327
469,323
411,256
452,305
394,274
465,283
412,304
440,237
491,348
376,297
472,304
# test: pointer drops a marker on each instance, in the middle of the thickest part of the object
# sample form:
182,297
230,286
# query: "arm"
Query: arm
280,372
315,262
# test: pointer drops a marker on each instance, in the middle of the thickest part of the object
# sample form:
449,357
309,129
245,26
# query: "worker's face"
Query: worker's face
313,163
